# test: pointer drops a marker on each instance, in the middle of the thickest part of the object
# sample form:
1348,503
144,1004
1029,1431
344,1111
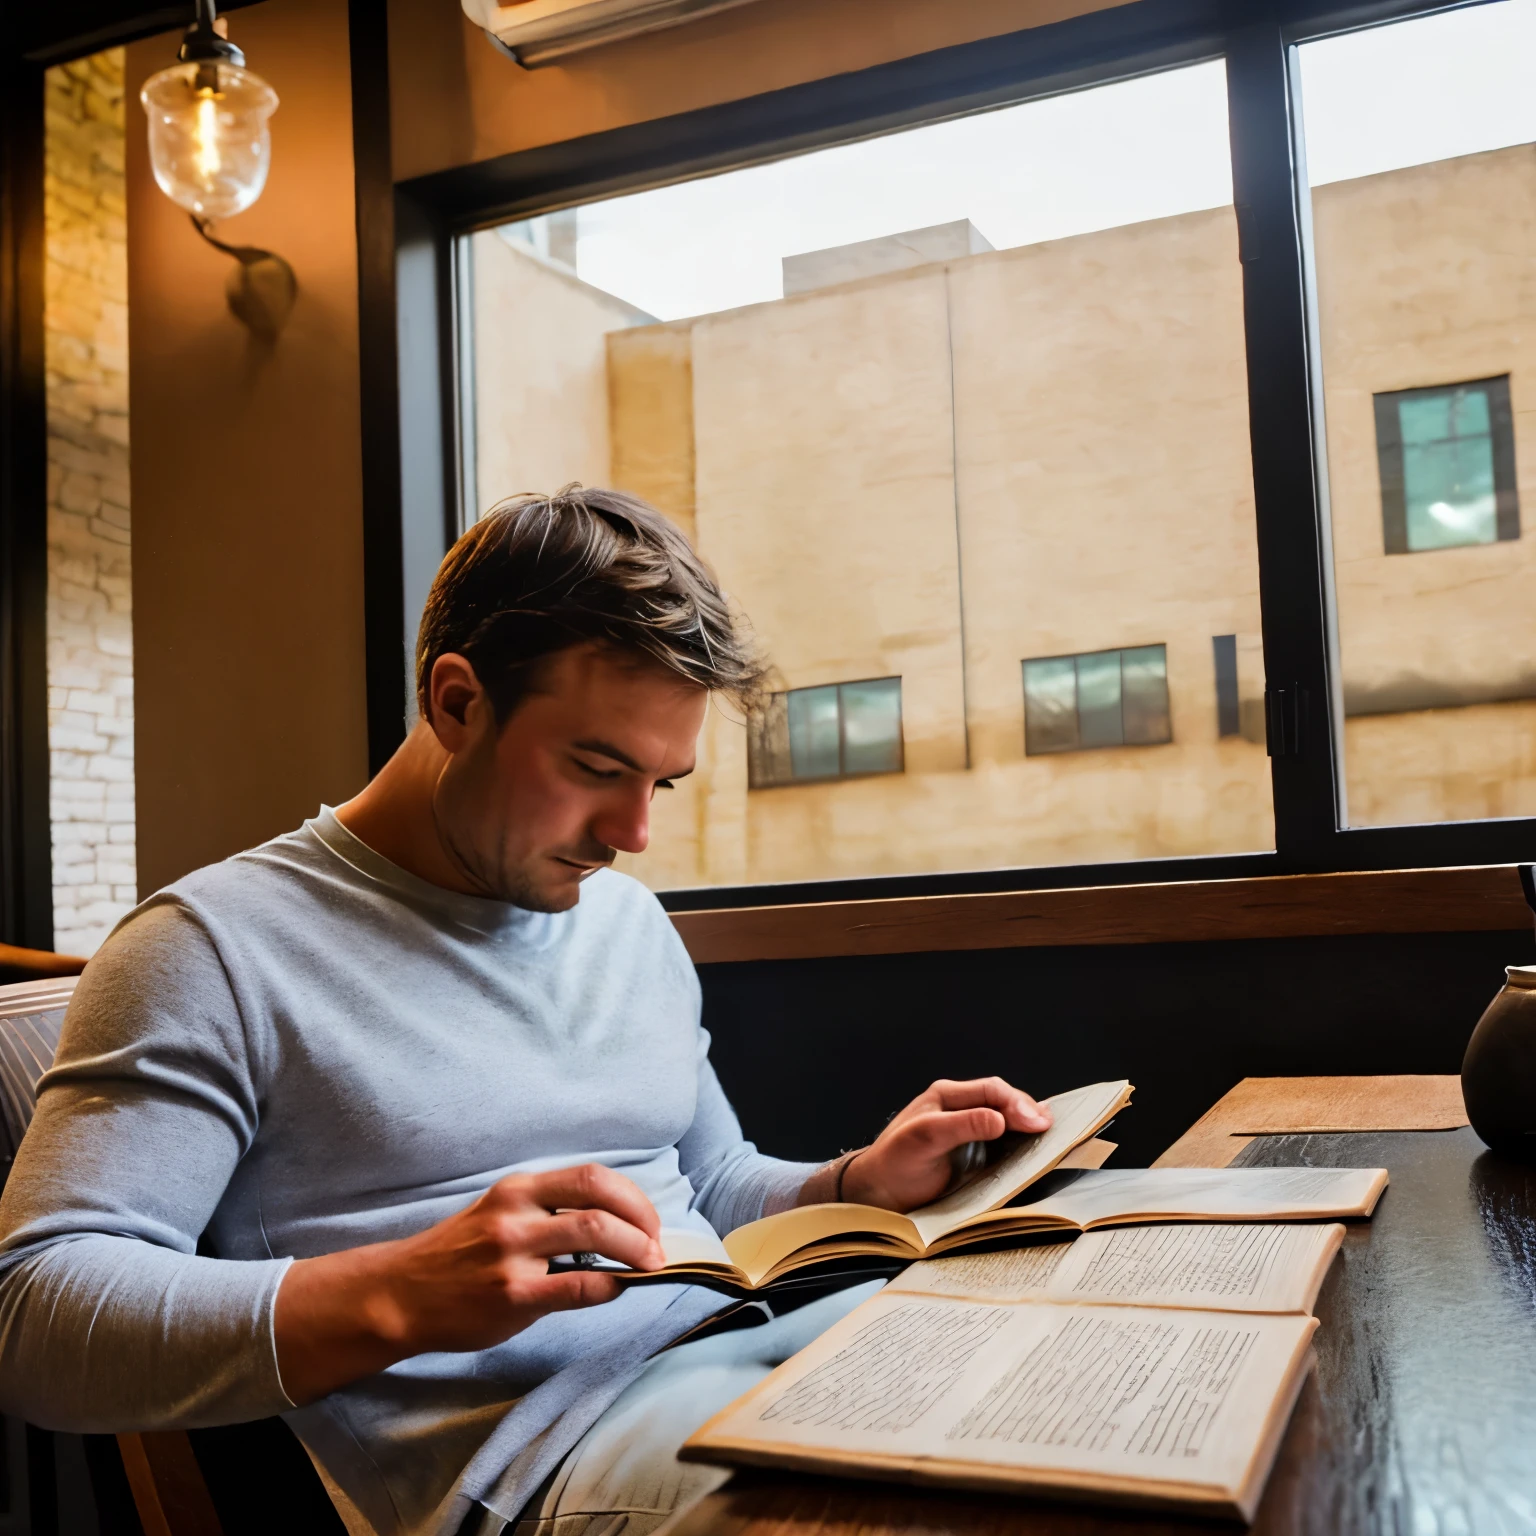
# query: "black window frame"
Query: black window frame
1393,475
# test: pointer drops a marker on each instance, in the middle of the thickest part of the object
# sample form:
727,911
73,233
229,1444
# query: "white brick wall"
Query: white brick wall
90,622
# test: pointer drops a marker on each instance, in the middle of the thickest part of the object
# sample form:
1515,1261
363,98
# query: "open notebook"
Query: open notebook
1149,1365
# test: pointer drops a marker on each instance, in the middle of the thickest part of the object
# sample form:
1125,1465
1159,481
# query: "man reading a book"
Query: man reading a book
323,1113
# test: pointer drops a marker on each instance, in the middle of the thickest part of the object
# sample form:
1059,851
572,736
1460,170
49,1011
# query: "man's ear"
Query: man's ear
456,701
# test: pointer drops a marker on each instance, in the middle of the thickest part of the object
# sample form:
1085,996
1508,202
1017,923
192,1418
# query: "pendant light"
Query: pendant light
211,148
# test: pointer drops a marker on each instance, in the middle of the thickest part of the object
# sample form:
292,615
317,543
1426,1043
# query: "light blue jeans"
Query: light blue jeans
623,1477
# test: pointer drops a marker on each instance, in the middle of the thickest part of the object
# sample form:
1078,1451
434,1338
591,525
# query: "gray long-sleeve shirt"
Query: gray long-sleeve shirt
305,1049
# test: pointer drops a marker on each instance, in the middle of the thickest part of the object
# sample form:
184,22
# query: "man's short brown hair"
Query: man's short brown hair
539,574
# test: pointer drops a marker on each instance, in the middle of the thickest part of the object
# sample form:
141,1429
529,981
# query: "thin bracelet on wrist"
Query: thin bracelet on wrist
842,1168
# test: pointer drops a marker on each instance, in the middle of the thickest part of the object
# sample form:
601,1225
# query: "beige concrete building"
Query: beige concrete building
1428,276
938,472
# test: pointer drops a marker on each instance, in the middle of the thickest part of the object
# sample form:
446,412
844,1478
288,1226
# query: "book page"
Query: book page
1054,1395
1217,1194
683,1245
1221,1267
1015,1274
691,1255
756,1248
1075,1117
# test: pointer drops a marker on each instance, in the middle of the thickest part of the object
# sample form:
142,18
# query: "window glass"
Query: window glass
1418,141
871,726
842,731
1050,705
813,733
1098,700
1144,695
1447,459
1104,699
930,404
1447,468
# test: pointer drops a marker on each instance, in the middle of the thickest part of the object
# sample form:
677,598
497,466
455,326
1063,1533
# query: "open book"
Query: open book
1078,1200
762,1252
1151,1365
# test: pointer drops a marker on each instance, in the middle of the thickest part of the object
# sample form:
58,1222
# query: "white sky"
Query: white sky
1377,100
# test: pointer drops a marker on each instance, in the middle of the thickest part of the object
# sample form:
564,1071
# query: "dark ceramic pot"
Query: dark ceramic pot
1498,1073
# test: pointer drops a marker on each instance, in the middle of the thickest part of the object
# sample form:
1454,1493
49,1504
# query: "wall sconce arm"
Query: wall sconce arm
262,287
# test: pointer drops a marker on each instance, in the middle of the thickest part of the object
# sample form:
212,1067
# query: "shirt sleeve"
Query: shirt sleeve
733,1182
109,1319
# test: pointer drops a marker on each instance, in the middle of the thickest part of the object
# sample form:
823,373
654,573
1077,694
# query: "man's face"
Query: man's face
528,812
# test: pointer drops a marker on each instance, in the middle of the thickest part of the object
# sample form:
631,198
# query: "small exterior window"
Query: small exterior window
839,731
1098,699
1229,707
1447,459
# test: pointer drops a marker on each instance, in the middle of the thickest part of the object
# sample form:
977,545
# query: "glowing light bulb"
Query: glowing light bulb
209,141
207,136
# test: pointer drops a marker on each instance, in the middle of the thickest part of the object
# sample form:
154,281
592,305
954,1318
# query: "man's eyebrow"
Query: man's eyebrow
607,749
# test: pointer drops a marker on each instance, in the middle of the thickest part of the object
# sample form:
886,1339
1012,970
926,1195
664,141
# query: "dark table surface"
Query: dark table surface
1419,1421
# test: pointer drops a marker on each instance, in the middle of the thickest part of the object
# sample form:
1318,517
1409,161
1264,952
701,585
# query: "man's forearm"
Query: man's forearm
336,1321
468,1283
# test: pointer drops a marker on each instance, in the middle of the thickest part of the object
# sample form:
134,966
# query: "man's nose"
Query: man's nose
625,825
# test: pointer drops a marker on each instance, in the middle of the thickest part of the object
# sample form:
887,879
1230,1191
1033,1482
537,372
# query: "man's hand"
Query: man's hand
467,1283
909,1163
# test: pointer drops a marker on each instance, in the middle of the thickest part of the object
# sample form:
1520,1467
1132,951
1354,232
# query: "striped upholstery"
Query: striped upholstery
30,1015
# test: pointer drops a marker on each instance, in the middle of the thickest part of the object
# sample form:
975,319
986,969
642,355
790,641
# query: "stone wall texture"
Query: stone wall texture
90,620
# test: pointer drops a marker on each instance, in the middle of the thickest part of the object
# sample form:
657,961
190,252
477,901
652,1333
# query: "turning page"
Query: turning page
1075,1118
1181,1408
760,1247
1225,1266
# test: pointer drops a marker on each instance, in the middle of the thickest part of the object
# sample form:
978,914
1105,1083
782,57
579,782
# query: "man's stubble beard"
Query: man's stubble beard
487,871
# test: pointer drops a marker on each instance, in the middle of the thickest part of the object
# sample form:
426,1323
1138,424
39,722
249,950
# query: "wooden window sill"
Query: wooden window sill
1474,898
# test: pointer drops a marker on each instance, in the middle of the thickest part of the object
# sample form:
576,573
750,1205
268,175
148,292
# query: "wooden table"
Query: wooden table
1420,1419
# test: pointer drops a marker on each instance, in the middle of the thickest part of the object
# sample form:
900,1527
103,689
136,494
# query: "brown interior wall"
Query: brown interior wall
248,599
461,100
248,629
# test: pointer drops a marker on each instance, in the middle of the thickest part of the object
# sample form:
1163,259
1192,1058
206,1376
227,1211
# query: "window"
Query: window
1229,709
928,402
1098,699
1037,373
1447,466
838,731
1418,140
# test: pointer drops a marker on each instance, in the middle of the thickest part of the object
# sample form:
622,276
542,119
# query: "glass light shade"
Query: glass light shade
208,137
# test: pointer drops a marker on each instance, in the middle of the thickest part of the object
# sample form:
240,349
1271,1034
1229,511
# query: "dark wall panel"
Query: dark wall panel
816,1054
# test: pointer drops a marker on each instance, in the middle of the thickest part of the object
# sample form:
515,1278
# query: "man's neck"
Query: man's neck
393,813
